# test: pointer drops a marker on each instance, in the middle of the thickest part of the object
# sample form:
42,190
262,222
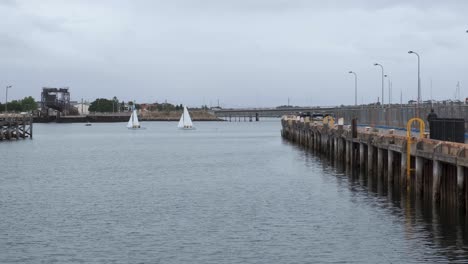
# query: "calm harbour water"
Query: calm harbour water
224,193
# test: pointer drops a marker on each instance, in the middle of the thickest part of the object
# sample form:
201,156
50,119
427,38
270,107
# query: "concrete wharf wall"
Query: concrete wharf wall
439,168
14,127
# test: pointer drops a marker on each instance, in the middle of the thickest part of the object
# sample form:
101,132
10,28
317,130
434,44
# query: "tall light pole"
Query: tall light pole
389,88
419,80
6,98
378,64
355,87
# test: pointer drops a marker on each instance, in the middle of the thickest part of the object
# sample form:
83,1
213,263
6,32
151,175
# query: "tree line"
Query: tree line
105,105
27,104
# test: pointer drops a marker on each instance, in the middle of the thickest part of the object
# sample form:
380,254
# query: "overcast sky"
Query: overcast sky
244,52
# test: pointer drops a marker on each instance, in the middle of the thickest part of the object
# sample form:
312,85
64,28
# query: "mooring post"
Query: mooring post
461,186
436,174
390,167
419,176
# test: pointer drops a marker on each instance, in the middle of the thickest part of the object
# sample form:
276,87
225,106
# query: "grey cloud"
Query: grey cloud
246,53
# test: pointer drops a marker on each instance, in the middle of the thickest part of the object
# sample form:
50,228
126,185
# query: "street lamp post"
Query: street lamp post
378,64
389,88
6,98
355,87
419,79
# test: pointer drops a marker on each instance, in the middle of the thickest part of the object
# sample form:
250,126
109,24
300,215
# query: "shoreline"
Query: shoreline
120,118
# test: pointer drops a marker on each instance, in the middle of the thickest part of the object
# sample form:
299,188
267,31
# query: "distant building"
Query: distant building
83,108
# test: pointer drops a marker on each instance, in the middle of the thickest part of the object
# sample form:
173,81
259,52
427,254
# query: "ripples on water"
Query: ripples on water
225,193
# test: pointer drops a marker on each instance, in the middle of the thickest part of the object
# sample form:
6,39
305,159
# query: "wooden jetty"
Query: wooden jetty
430,170
16,126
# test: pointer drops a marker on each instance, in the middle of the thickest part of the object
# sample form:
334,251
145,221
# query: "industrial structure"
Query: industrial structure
55,101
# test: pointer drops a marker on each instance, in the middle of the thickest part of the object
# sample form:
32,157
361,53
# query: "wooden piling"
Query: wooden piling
439,167
370,158
403,165
461,186
362,155
379,162
436,174
15,126
390,166
419,176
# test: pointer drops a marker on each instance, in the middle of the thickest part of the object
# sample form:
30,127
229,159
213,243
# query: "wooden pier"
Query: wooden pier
438,169
15,126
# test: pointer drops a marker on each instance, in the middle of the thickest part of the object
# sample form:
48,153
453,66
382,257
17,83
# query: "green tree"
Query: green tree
122,106
28,104
14,106
101,105
115,104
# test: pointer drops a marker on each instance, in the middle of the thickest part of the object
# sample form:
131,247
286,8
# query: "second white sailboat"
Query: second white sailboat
185,121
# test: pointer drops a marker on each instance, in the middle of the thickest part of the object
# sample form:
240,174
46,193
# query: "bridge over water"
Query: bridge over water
268,112
395,115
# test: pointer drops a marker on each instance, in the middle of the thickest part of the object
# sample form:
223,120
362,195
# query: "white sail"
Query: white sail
181,122
130,122
185,120
133,121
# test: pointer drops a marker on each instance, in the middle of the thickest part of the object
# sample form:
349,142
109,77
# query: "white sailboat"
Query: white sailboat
133,122
185,121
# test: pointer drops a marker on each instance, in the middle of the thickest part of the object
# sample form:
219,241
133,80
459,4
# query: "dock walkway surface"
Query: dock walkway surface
437,169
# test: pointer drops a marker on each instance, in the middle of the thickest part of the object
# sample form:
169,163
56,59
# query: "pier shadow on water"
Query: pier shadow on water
441,227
